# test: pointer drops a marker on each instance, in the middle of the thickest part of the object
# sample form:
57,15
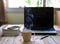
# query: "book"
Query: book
11,30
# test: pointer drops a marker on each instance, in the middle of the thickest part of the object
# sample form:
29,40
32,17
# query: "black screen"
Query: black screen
37,18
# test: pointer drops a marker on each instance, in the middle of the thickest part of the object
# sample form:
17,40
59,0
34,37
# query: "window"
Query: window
15,3
53,3
24,3
33,3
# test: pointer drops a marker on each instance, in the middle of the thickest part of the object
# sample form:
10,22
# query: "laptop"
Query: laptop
39,19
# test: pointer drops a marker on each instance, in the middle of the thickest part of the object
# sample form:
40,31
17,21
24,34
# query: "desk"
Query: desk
35,39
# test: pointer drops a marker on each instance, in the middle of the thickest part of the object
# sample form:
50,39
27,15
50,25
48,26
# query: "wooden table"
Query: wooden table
35,39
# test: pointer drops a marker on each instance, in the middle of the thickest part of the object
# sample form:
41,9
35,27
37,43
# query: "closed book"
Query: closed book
11,30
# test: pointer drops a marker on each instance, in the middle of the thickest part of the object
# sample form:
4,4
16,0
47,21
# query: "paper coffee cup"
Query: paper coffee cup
26,35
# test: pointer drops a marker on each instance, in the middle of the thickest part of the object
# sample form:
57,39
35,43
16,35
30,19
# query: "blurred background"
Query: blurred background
14,9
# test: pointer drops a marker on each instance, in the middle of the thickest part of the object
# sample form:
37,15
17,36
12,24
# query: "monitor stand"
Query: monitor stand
44,32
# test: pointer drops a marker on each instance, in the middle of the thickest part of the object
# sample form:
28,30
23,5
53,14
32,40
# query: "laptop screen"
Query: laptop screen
38,17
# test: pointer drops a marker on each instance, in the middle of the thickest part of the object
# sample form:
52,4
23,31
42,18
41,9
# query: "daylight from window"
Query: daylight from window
33,3
25,3
53,3
15,3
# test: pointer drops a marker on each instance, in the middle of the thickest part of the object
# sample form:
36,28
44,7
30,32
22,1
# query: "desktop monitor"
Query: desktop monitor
38,18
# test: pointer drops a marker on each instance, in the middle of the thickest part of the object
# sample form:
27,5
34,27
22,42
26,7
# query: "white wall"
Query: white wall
15,18
15,15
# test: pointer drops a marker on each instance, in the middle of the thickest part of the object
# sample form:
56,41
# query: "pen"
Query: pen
43,37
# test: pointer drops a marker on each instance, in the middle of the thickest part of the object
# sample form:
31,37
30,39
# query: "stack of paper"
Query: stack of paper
11,30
